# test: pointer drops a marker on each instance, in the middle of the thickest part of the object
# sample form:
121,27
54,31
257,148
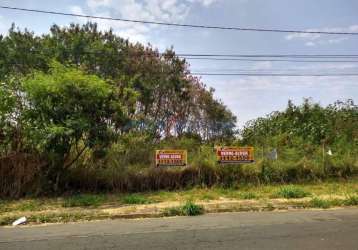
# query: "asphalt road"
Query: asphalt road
333,229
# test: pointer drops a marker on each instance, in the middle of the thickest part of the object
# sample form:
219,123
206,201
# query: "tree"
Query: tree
169,101
67,113
310,122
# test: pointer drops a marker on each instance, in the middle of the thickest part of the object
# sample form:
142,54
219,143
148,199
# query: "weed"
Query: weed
83,200
172,211
59,218
7,220
30,205
290,192
269,207
351,200
208,197
320,203
3,207
248,196
135,199
189,209
192,209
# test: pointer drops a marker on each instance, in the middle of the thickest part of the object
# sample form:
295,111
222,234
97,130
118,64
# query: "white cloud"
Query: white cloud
93,4
205,3
318,39
76,10
251,97
337,40
327,66
271,83
149,10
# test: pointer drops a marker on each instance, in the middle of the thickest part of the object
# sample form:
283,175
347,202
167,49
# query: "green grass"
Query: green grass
7,220
135,199
172,211
3,206
62,217
316,202
248,196
21,205
320,203
325,195
31,205
84,200
338,188
208,197
269,207
192,209
188,209
351,200
292,192
53,218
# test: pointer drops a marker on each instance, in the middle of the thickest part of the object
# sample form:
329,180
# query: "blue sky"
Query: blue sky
247,97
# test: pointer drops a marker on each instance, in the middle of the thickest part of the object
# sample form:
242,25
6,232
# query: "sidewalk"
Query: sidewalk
65,215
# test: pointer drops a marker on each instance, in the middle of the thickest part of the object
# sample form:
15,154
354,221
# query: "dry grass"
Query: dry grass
325,195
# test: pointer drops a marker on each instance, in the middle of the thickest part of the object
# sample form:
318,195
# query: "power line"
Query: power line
180,25
224,57
250,58
305,58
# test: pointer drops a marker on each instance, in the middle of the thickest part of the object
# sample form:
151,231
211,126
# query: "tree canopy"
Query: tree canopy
168,99
312,123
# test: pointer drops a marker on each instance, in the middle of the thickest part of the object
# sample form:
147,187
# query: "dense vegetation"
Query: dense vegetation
83,109
78,94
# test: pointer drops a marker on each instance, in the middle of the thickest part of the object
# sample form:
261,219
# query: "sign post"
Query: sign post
171,158
235,155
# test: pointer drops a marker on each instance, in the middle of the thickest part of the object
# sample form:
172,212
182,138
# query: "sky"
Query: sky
248,97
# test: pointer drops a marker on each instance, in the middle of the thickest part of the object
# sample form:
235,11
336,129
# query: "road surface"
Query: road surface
333,229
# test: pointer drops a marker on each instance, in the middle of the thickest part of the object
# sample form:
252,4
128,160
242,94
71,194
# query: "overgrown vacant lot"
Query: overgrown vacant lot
91,206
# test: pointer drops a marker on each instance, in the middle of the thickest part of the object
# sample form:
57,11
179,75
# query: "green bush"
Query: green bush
290,192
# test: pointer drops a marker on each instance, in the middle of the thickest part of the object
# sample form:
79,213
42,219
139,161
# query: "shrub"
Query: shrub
290,192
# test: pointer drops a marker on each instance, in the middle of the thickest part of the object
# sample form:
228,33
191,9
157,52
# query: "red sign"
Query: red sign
171,157
235,155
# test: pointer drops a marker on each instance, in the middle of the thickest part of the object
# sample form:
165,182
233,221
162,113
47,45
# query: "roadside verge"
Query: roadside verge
173,208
